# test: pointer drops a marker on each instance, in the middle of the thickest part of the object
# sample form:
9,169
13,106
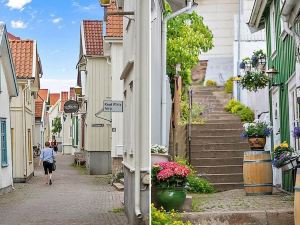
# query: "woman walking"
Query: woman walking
47,157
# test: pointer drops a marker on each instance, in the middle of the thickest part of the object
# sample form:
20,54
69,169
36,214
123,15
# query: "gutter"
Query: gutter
256,14
164,77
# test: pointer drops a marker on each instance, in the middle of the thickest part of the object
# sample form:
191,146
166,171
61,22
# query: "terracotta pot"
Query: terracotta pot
157,158
257,143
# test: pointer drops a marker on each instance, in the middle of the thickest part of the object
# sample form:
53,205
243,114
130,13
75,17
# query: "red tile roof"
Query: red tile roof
43,93
54,97
22,52
63,98
92,31
114,24
12,37
72,93
39,102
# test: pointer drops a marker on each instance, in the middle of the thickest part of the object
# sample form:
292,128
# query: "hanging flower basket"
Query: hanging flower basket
296,132
254,80
284,157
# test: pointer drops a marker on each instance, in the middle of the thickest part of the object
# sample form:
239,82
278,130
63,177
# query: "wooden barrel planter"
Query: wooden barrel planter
297,199
257,171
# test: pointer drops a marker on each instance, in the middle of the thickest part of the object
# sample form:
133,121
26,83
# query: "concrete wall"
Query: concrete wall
98,162
22,123
6,179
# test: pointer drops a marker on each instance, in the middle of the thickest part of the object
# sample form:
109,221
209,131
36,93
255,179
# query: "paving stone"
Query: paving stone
73,199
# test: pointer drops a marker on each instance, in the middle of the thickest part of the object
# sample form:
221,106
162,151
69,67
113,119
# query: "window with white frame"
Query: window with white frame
273,28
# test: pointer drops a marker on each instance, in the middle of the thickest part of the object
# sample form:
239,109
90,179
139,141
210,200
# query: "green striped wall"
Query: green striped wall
284,62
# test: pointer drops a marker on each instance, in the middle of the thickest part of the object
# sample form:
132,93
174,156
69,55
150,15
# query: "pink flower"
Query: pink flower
165,174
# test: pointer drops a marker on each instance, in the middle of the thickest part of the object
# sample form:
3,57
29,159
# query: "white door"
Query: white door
293,112
277,174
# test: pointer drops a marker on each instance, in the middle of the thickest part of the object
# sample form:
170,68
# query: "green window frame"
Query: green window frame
3,142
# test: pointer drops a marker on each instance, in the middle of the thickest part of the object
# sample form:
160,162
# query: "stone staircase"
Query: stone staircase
216,147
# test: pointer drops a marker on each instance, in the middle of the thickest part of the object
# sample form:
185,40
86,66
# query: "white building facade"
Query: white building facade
8,89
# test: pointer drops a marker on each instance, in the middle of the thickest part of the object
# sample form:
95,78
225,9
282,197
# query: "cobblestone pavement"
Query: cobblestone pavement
73,199
236,200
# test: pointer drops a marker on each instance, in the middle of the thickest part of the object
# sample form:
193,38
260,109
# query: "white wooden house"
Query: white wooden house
8,89
95,77
28,71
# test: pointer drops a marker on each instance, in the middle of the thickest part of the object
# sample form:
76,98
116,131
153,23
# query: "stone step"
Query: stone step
228,186
219,169
203,88
220,146
216,139
233,125
225,178
223,121
206,101
203,96
217,132
217,153
217,161
222,116
118,186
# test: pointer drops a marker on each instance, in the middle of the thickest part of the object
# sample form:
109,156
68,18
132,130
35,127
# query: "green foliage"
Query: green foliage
199,185
185,113
210,83
57,126
257,129
195,183
254,80
187,37
229,85
161,217
244,112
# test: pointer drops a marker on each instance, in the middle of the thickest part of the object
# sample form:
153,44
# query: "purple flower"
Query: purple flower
296,132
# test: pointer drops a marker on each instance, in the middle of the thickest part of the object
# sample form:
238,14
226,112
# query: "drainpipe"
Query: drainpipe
24,128
164,68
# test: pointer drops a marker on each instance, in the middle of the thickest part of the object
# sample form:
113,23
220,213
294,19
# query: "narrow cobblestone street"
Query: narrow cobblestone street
74,198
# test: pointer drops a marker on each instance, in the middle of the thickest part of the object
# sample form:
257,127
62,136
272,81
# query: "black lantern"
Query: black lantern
271,73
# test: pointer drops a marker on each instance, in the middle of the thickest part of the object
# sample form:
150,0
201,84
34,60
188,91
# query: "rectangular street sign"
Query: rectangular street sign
98,125
112,106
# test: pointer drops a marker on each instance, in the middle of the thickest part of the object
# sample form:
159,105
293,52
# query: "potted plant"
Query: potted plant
296,132
170,180
284,157
256,133
159,153
254,80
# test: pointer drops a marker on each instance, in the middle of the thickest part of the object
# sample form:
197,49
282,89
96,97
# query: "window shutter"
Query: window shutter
4,160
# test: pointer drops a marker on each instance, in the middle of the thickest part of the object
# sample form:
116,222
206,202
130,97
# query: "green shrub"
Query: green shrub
246,114
229,85
161,217
231,104
210,83
185,113
238,107
199,185
195,183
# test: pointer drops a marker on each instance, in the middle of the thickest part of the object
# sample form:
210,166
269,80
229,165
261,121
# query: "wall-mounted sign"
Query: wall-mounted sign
71,106
112,106
98,125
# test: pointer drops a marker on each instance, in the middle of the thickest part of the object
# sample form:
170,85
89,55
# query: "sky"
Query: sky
55,25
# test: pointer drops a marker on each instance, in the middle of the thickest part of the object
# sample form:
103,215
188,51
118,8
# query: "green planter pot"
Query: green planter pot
172,198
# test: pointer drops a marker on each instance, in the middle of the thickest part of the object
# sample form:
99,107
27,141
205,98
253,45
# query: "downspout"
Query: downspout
164,69
24,128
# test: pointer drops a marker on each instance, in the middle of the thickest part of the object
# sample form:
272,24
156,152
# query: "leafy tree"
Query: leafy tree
187,37
57,126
